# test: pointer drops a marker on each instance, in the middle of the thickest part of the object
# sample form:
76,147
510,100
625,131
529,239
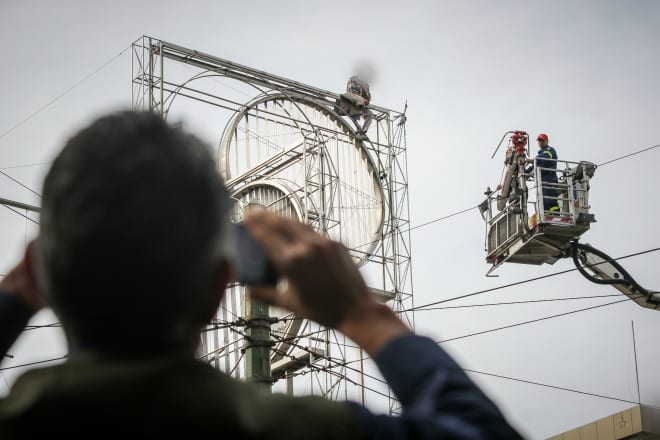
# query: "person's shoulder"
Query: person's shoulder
189,393
306,414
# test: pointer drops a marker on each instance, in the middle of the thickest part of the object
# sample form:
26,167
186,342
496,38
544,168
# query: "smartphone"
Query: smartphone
253,267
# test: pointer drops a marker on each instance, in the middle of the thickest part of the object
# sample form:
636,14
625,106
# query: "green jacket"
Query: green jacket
96,396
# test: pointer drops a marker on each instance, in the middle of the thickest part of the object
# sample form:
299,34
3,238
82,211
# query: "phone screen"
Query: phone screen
253,267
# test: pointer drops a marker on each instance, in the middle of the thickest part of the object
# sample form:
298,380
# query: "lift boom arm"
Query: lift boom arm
601,269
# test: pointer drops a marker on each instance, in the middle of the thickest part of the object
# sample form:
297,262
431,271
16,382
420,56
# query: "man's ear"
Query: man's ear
215,291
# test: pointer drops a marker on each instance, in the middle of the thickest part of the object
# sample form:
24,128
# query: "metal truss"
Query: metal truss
285,137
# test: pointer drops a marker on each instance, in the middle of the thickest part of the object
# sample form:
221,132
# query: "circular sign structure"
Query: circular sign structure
276,197
305,147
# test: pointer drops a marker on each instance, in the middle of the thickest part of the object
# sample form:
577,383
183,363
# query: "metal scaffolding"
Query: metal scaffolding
286,145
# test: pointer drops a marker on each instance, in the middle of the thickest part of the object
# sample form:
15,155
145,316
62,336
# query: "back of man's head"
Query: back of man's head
133,224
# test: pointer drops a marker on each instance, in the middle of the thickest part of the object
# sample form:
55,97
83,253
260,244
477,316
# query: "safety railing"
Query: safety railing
525,212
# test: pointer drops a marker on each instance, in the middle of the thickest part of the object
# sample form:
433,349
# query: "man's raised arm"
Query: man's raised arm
19,300
438,399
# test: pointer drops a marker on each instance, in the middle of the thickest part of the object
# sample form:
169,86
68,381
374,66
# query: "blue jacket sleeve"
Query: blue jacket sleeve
437,397
14,316
547,158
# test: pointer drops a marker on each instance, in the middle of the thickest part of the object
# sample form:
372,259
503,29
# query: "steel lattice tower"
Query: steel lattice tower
285,145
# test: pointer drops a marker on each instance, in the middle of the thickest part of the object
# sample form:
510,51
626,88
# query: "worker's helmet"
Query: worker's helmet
542,137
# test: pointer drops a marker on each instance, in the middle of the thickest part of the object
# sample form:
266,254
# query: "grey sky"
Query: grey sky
586,73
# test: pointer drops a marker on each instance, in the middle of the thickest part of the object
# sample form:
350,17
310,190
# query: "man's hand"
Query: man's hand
322,282
20,282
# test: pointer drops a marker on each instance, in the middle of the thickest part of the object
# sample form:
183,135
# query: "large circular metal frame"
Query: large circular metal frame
295,139
276,197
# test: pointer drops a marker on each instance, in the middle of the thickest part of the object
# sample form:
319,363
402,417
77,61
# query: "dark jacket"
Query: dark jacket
547,158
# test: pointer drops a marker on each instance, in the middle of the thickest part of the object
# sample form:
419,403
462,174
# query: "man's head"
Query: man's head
542,139
133,237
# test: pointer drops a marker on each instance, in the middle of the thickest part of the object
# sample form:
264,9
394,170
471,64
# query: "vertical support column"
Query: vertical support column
151,76
361,378
162,78
323,214
140,72
289,383
394,218
133,106
258,343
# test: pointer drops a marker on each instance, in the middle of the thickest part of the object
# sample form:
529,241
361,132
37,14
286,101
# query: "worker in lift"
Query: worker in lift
357,90
546,159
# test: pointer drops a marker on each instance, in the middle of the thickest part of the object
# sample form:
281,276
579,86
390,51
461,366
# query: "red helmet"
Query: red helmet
542,137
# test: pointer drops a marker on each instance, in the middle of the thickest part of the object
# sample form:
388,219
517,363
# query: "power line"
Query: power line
349,380
628,155
25,165
219,327
445,217
290,340
37,327
440,219
52,101
491,289
518,324
509,285
412,309
412,228
336,363
34,363
550,386
21,214
345,364
279,335
20,183
531,301
329,368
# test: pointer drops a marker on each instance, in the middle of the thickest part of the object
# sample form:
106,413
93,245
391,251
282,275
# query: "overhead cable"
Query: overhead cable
423,306
55,99
34,363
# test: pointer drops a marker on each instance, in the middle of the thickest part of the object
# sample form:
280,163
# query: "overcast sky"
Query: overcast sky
585,72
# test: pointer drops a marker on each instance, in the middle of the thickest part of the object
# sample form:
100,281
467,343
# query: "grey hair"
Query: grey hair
134,223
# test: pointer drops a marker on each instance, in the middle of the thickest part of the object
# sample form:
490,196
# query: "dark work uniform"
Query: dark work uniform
95,396
547,158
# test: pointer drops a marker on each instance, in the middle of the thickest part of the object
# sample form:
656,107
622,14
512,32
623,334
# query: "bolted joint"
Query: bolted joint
259,322
251,342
